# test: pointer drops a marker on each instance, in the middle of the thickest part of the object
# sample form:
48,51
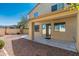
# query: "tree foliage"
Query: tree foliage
74,6
23,23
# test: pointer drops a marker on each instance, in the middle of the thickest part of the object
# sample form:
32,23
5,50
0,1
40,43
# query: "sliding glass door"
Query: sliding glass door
46,30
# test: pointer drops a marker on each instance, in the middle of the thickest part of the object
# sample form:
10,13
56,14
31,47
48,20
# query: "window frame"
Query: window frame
36,29
36,14
60,6
44,29
59,26
53,7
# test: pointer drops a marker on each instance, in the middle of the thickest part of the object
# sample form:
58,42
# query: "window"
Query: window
59,27
60,5
44,26
36,28
54,8
44,29
36,14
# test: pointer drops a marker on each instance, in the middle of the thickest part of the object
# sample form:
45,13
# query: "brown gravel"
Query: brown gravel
23,47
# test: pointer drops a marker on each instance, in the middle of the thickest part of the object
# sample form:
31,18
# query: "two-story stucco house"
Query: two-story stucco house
50,23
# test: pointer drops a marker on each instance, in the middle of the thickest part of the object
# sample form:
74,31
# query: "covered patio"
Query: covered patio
71,45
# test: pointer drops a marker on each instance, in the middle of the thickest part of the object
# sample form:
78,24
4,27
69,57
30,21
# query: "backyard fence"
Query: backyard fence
8,31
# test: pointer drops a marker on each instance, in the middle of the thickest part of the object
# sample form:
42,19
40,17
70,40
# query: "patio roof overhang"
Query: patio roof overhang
55,15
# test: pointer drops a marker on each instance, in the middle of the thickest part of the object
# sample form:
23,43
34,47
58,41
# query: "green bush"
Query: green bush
2,43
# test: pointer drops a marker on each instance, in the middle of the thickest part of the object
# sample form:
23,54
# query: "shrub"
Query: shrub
18,33
2,43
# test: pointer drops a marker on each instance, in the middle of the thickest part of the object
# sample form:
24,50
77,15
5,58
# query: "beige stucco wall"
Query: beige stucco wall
77,31
68,36
70,33
43,8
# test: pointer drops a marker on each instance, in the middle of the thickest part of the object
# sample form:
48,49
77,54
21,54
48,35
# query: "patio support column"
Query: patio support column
41,29
31,31
77,33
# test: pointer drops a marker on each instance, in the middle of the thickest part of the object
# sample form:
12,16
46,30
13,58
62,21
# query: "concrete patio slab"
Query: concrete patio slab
51,42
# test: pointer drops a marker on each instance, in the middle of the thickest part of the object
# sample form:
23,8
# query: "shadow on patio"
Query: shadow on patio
24,47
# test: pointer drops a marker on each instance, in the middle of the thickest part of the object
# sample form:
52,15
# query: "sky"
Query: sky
11,13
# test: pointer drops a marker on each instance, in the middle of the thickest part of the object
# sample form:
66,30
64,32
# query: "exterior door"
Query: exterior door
48,31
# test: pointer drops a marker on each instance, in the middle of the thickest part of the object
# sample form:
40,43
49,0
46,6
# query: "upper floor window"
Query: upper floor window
60,6
36,14
54,8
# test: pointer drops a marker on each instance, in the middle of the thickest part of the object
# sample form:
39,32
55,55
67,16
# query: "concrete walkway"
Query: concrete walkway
2,53
8,49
